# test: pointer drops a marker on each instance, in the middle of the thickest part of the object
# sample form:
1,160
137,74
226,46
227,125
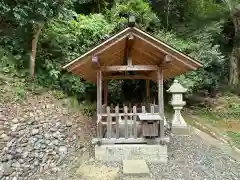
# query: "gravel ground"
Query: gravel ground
190,158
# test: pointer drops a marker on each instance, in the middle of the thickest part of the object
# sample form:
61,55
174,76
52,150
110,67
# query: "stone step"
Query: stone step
137,178
149,153
100,172
135,168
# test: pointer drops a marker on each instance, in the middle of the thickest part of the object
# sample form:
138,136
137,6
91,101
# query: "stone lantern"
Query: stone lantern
178,123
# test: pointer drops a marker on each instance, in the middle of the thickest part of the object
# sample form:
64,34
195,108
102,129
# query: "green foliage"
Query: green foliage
20,93
85,107
235,136
88,109
141,9
193,27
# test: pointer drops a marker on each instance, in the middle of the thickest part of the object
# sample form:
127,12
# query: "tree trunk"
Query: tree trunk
34,49
234,80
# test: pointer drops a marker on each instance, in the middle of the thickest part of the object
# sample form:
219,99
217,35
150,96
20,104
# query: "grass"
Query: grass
223,118
235,136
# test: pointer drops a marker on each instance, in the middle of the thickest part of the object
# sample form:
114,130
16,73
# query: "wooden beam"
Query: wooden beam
130,68
166,52
165,47
110,45
128,77
95,62
168,59
129,44
130,140
165,64
96,50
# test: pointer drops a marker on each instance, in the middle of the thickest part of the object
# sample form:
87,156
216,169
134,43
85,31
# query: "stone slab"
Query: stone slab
149,153
92,172
135,168
137,178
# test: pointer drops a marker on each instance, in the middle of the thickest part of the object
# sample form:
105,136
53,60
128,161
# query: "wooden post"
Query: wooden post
135,122
99,102
161,101
117,121
125,109
105,91
109,123
160,92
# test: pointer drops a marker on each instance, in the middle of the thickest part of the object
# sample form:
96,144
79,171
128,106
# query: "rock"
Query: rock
19,150
69,123
5,137
35,131
62,149
16,165
15,120
55,142
7,169
14,134
14,127
25,154
9,157
47,135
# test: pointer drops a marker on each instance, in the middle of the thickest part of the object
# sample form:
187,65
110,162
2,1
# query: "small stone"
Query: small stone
14,134
62,149
47,135
16,165
5,137
9,156
7,169
15,120
14,127
35,131
55,142
19,150
25,154
36,163
68,123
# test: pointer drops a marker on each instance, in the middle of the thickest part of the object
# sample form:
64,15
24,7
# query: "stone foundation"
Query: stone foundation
149,153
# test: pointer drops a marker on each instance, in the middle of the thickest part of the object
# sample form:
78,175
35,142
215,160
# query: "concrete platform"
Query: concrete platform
149,153
135,168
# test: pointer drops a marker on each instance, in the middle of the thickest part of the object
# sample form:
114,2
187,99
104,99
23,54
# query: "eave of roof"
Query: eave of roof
81,65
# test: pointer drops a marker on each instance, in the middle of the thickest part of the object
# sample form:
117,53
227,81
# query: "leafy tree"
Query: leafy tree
234,12
31,15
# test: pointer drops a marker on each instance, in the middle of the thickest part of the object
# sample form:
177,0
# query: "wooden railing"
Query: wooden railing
122,125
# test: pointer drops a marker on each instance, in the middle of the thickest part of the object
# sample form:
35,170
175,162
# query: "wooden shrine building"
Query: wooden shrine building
131,50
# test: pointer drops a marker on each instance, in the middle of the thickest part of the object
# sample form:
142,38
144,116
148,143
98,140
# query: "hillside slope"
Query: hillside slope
37,130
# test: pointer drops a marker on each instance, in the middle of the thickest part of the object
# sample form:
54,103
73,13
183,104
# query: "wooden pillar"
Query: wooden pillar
161,101
160,91
99,92
105,91
99,103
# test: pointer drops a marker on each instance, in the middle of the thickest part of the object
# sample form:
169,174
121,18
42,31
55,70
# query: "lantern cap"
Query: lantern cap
176,87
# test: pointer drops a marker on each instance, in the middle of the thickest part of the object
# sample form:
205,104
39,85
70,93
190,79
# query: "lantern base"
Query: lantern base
181,131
